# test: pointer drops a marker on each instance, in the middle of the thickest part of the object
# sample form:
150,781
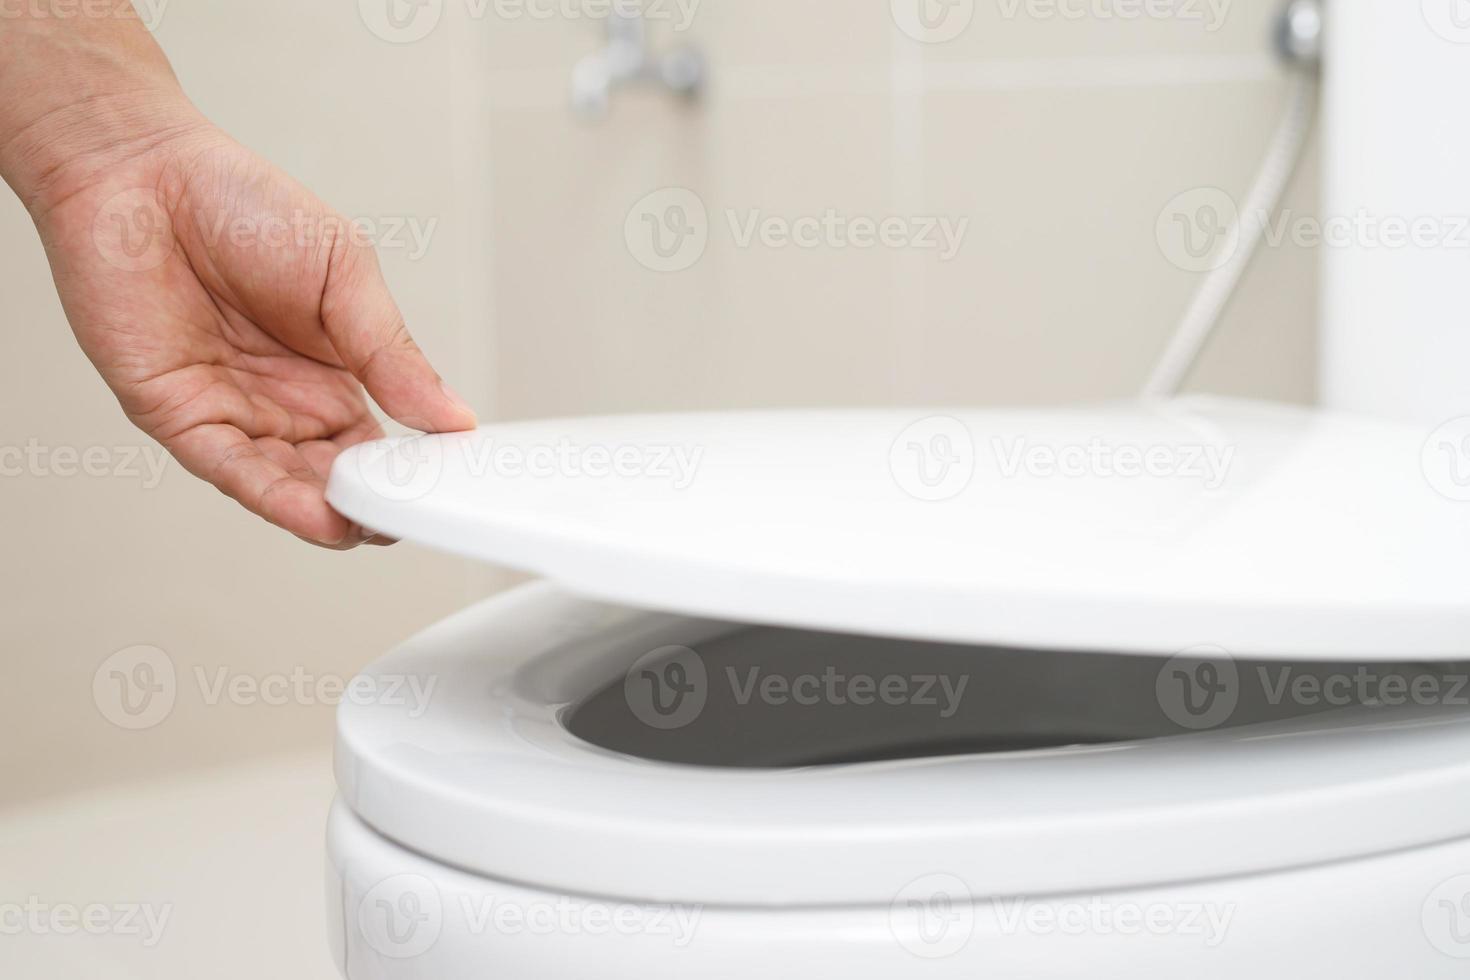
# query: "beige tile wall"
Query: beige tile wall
1059,141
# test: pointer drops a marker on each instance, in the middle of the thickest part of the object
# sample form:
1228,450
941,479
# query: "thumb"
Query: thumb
367,330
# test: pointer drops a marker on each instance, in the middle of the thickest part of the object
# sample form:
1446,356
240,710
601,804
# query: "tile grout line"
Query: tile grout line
755,82
478,319
907,71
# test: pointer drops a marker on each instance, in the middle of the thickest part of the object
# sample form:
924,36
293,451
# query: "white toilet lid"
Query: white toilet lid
1270,531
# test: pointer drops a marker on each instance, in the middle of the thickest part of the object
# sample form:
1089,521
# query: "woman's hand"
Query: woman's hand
237,318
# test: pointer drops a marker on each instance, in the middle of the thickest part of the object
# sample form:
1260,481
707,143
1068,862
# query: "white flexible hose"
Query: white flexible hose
1217,289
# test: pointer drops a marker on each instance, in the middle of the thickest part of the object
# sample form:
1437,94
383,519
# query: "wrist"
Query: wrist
82,97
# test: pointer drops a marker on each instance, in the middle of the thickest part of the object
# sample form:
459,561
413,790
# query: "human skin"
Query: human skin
238,319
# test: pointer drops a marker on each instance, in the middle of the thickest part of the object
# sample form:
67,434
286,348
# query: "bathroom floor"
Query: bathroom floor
215,874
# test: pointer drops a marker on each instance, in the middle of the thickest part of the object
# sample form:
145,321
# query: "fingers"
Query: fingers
367,330
363,430
203,393
319,455
271,478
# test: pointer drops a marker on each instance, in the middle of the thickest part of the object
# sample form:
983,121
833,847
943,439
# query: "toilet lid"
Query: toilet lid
1267,530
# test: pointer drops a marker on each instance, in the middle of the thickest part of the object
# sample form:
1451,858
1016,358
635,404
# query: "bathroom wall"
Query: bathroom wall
1055,149
1060,141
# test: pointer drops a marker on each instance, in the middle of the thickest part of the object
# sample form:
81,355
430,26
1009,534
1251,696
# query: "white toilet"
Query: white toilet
1119,692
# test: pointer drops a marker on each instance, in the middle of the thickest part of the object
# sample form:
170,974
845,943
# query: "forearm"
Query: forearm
82,86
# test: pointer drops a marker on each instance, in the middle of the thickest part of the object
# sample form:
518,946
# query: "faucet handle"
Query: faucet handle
625,59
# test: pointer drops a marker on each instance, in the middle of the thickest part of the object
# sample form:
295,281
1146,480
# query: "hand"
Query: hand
236,317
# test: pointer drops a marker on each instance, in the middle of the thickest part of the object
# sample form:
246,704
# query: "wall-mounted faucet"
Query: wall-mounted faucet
627,59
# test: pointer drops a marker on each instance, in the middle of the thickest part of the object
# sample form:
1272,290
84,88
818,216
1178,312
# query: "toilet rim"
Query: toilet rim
486,778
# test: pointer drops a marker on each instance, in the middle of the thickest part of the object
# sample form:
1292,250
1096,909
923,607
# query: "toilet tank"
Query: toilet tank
1396,209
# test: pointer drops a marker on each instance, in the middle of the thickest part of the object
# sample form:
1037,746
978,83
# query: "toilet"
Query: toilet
1117,691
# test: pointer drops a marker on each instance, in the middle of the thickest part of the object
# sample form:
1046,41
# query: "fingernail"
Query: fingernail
369,536
455,400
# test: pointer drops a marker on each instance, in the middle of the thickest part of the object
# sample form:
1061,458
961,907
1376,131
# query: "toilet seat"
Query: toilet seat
488,779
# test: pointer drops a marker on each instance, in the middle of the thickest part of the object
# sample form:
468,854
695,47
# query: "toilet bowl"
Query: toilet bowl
713,747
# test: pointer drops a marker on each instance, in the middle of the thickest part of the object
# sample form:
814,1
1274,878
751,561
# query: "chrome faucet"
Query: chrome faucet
627,59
